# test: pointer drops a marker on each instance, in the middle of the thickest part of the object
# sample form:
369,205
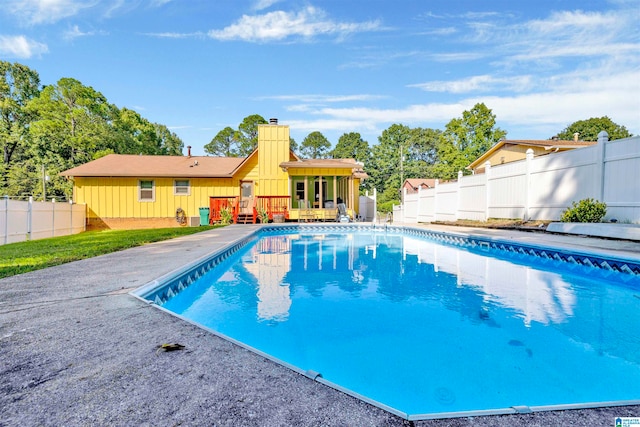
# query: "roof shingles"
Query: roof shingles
129,165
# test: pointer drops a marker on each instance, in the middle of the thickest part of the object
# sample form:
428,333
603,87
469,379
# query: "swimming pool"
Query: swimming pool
424,324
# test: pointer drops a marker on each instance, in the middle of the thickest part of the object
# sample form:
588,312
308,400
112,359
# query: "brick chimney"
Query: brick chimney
188,151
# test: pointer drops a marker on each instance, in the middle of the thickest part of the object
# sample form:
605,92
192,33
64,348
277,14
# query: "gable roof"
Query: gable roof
131,165
417,182
547,144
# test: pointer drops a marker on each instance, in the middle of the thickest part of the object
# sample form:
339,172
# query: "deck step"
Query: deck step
245,219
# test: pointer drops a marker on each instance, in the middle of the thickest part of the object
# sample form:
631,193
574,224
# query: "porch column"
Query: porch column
335,191
351,195
320,195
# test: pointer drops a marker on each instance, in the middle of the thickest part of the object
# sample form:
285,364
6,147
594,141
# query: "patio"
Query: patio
78,350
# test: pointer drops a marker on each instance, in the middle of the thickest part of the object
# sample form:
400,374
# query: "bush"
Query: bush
387,206
586,210
263,215
226,216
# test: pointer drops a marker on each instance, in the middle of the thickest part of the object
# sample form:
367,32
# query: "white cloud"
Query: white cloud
280,25
45,11
563,35
570,97
158,3
74,32
264,4
457,56
483,83
440,31
170,35
323,99
21,47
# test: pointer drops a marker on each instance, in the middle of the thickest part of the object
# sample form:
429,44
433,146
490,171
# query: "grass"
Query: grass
22,257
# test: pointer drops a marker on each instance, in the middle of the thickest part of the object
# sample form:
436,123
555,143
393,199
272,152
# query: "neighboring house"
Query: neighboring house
507,151
412,185
138,191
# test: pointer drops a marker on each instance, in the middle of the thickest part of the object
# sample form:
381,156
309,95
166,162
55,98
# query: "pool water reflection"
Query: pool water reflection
424,327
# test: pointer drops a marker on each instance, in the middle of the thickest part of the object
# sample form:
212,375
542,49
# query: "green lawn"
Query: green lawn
16,258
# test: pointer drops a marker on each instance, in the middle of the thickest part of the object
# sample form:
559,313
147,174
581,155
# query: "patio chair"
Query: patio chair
342,215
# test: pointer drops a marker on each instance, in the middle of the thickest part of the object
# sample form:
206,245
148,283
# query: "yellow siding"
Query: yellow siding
318,172
118,197
248,171
273,149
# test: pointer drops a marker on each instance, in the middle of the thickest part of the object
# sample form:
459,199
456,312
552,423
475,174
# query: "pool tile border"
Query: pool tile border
163,289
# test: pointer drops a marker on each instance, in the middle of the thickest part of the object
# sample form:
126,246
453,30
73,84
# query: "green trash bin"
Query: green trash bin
204,216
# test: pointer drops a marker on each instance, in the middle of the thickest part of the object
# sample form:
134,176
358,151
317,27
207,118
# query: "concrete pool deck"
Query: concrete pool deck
77,349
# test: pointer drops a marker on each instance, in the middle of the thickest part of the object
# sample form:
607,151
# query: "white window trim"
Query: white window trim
153,190
175,187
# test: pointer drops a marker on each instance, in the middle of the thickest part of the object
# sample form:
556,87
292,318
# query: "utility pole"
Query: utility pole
401,166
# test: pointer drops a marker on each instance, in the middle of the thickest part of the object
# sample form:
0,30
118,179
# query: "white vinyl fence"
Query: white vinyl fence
539,188
368,206
28,220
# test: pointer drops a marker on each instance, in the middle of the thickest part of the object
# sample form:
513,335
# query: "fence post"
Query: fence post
375,204
70,216
603,138
435,200
527,184
404,203
418,203
6,222
457,214
30,218
487,173
53,217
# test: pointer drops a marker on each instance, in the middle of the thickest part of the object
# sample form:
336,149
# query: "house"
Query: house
140,191
412,185
506,151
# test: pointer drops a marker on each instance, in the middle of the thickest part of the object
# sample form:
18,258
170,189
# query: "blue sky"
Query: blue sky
339,66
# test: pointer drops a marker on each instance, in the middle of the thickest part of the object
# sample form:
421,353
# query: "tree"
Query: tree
388,158
352,146
422,152
74,121
247,134
168,142
224,144
293,145
589,129
465,139
315,146
18,85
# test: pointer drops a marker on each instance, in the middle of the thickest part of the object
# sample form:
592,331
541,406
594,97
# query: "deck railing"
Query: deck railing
218,204
273,205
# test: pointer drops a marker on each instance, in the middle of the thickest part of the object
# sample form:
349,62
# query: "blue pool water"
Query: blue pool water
425,327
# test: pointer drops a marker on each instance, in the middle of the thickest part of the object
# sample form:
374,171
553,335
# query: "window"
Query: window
300,191
181,187
146,191
246,189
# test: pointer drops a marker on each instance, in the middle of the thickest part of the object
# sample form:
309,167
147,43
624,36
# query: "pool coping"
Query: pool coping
548,251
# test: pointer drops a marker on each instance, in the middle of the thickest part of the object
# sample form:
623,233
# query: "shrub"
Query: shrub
263,215
226,216
387,206
586,210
